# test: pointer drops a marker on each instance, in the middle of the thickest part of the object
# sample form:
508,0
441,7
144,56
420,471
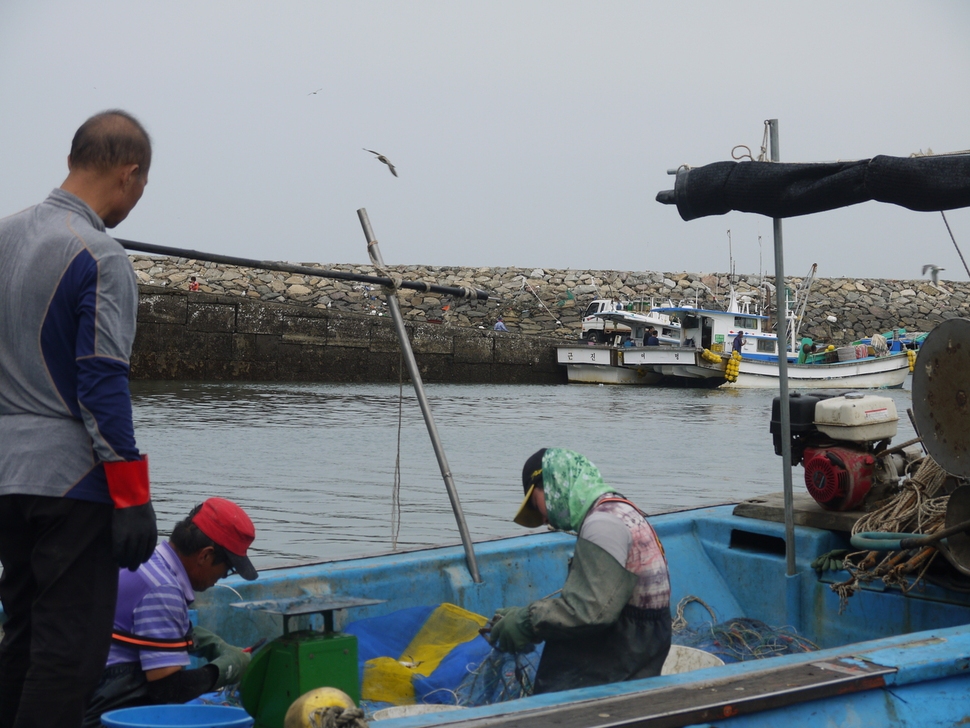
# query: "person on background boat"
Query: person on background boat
651,338
74,489
806,349
152,637
738,342
612,621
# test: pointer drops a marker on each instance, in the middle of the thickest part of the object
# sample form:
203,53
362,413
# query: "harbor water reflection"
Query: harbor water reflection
313,464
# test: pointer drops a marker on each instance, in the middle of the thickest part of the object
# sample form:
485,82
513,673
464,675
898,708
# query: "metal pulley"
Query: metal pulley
941,395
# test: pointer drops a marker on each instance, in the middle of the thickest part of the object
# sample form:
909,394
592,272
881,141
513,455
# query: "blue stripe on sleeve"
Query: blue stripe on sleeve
102,386
74,300
94,388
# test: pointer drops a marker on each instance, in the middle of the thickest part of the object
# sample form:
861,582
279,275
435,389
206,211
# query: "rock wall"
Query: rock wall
550,302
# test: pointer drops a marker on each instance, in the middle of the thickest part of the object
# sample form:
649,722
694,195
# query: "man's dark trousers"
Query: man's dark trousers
59,587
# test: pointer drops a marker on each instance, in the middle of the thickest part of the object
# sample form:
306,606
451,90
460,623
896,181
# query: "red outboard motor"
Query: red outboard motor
838,478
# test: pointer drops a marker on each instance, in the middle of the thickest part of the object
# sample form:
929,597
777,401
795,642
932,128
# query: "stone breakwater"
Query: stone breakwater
550,302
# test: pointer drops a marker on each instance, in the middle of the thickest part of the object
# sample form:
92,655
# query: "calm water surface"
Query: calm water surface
313,464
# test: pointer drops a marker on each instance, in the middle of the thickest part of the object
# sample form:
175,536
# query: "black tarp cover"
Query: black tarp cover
926,184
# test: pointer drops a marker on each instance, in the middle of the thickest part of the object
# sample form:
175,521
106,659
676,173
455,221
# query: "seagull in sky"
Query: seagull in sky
315,92
382,158
933,270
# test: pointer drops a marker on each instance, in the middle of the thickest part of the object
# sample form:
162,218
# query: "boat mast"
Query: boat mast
785,411
412,365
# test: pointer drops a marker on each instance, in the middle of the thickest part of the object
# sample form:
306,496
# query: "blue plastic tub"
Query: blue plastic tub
178,716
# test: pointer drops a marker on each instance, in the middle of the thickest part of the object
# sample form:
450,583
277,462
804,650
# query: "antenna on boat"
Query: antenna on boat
392,303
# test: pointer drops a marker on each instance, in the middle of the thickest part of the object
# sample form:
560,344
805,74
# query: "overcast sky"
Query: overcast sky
527,134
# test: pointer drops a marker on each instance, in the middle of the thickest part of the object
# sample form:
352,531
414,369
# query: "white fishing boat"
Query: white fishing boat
614,334
706,354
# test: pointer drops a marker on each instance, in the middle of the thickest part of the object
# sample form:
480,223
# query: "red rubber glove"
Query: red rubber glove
133,530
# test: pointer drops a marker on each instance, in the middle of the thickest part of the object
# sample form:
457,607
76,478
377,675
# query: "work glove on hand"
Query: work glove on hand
832,561
133,530
232,663
512,631
229,660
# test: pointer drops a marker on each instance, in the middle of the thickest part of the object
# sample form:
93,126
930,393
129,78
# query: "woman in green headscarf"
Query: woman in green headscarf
612,621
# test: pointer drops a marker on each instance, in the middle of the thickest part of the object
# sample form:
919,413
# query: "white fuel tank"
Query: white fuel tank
857,417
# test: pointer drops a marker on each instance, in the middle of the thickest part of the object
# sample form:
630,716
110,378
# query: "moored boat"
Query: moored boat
706,355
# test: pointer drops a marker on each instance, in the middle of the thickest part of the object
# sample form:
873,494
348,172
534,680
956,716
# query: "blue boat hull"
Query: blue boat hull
890,659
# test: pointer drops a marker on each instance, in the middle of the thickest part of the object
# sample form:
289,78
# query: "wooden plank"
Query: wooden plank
807,512
688,704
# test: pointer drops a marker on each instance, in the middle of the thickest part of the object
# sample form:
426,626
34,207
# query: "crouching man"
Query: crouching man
612,620
152,637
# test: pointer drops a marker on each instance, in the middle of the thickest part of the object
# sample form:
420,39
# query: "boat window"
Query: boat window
745,322
766,346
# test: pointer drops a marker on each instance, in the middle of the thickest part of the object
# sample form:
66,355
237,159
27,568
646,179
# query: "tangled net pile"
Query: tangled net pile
918,508
498,678
739,639
228,695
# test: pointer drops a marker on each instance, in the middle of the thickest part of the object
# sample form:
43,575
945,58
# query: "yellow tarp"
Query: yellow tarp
387,679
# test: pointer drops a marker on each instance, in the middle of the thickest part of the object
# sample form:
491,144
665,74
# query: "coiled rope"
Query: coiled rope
917,508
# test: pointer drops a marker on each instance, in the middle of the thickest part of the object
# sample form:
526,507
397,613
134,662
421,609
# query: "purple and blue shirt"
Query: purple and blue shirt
153,602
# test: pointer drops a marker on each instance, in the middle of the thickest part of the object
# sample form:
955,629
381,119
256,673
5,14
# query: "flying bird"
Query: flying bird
382,158
315,92
933,270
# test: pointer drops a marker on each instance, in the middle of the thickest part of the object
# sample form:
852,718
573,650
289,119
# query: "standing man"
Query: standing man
739,342
612,620
153,637
74,492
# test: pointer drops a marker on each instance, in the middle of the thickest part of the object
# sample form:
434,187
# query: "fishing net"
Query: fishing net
228,695
499,677
739,639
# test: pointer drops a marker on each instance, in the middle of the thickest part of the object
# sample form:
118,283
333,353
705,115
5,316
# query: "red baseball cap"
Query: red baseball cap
228,525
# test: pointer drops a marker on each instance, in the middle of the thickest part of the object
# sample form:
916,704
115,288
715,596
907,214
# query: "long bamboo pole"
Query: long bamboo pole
459,292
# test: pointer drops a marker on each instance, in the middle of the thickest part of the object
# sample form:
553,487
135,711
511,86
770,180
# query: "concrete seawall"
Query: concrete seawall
201,336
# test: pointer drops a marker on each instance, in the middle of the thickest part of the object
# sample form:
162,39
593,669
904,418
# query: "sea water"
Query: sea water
314,464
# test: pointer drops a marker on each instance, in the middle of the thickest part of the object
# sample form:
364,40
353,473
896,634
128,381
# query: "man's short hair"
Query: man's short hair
187,538
109,139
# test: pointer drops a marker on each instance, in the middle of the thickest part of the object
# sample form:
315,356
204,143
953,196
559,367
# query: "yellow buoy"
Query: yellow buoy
298,715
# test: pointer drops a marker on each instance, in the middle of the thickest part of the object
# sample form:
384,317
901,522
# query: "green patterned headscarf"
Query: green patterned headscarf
571,484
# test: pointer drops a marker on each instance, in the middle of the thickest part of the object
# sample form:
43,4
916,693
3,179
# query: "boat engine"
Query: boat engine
838,478
838,438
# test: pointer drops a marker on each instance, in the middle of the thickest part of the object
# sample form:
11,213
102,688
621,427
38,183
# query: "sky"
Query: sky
529,133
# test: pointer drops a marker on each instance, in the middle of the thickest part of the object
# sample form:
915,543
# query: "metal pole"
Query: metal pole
781,328
392,303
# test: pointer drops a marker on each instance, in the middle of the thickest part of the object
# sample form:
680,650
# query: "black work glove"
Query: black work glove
133,530
134,535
